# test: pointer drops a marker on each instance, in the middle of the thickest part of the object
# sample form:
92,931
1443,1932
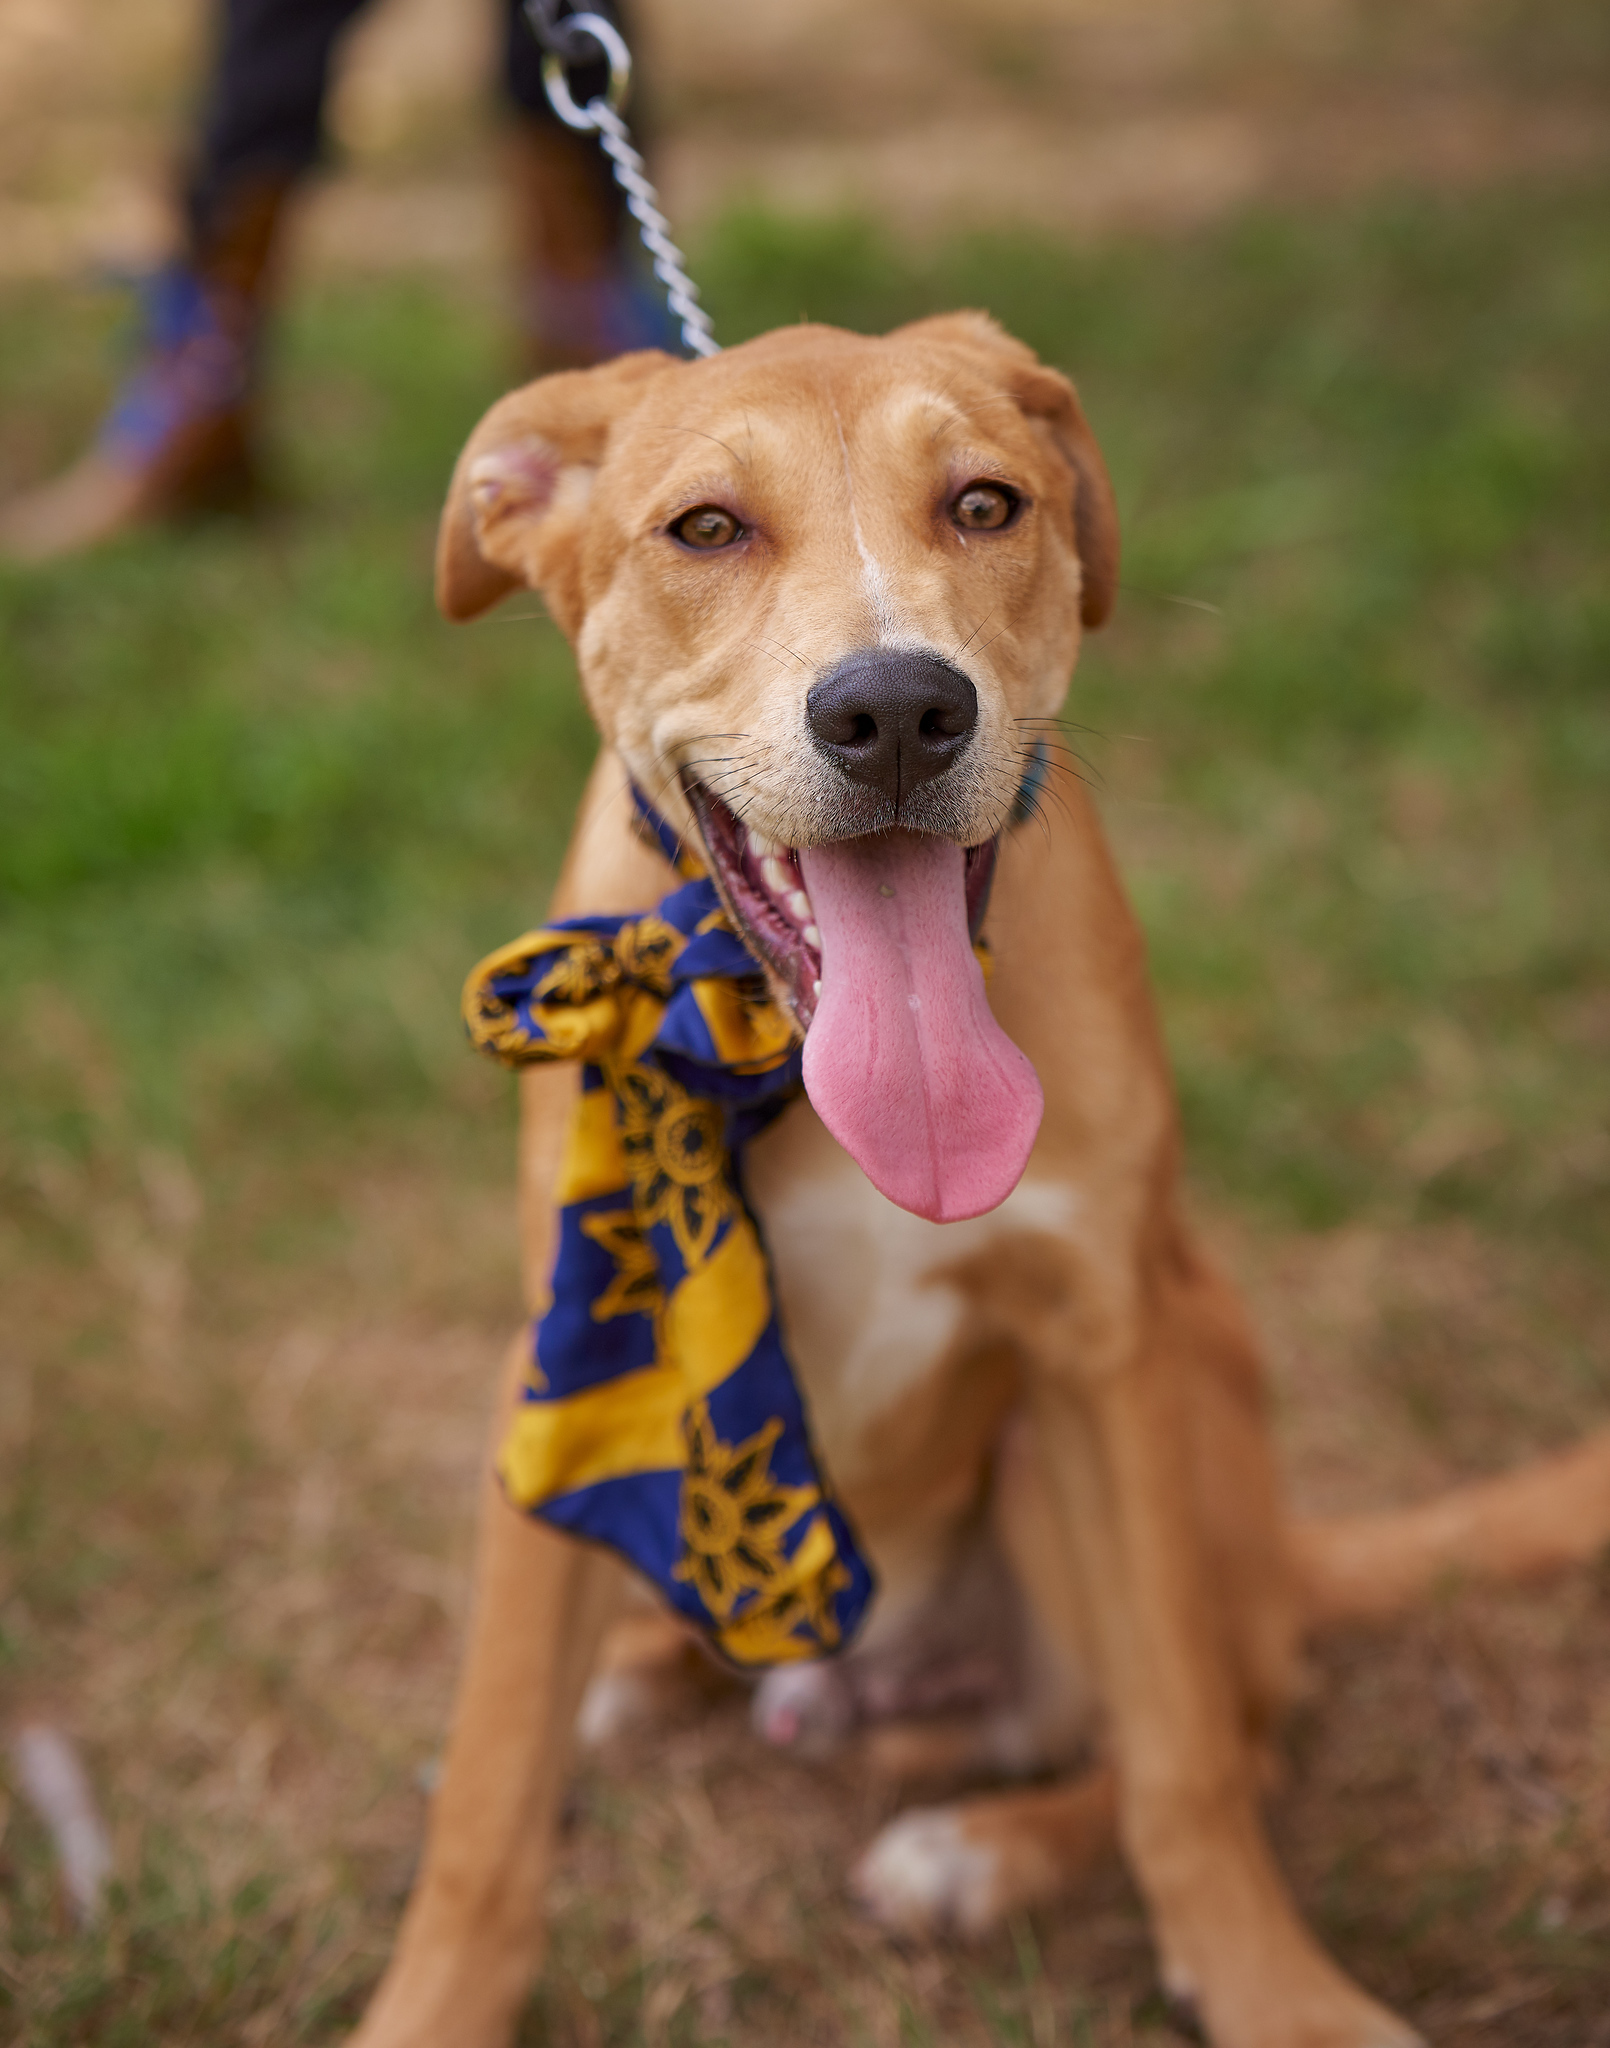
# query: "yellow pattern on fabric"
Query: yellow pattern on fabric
628,1425
635,1289
493,1026
593,1164
674,1151
645,1137
635,1423
749,1029
796,1620
601,998
581,974
734,1515
715,1318
646,952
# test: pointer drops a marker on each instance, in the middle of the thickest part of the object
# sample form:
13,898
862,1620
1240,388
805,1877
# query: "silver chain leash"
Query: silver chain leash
565,41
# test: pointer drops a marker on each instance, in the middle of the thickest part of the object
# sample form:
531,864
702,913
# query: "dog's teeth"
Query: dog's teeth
762,847
775,876
799,905
816,990
812,936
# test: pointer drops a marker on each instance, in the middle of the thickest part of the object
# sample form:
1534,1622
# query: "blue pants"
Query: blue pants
263,104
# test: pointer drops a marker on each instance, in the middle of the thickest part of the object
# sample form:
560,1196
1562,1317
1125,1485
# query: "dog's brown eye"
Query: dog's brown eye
982,507
707,526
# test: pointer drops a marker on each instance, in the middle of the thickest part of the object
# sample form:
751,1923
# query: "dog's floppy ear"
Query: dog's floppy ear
1049,399
1047,396
519,489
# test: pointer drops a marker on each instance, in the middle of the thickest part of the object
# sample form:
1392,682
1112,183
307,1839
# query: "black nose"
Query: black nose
892,720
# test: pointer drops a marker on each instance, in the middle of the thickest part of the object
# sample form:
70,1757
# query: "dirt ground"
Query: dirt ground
1447,1791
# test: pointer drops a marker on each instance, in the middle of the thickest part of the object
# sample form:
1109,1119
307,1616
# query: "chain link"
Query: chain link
564,40
681,293
556,31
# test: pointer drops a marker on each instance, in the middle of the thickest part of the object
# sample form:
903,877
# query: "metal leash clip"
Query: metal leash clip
569,41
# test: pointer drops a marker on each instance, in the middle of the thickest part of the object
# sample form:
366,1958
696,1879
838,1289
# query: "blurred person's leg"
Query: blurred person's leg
179,435
584,292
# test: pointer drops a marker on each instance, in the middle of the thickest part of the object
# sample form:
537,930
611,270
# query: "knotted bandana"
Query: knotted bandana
660,1414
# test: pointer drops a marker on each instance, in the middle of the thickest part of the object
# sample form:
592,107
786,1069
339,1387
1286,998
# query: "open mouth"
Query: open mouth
871,938
764,888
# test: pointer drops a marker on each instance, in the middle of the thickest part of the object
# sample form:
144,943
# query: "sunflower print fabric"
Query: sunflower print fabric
660,1414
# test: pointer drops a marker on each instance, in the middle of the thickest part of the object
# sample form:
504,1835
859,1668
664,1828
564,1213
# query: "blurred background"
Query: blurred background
1334,278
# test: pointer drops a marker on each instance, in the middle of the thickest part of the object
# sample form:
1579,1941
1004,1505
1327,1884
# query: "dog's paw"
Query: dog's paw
924,1874
616,1703
808,1708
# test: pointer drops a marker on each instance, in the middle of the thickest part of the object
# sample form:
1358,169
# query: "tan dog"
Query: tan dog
824,591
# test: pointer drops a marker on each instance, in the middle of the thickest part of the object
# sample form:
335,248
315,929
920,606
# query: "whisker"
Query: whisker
935,397
1195,604
724,785
1090,781
1000,398
729,777
1047,755
1046,726
742,461
663,785
1039,809
1066,725
1058,754
716,760
1066,757
761,644
972,636
1052,794
721,785
1047,736
1032,809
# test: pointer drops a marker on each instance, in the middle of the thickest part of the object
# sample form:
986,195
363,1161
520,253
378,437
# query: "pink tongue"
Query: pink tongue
904,1062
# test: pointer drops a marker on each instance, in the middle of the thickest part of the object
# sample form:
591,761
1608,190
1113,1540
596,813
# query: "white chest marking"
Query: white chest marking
864,1317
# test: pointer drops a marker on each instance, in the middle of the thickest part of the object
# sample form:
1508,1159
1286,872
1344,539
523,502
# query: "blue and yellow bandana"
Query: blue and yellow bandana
660,1414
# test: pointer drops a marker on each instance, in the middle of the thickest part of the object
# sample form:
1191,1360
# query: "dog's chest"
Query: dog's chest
877,1323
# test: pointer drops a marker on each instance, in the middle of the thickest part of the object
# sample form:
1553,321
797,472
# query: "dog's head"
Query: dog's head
823,590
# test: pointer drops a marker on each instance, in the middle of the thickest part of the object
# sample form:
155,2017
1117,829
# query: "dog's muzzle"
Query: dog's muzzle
891,720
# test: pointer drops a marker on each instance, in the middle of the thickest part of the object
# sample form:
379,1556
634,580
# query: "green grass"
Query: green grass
260,809
1364,793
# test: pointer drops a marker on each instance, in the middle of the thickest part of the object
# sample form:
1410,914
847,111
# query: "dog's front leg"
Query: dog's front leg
1112,1430
473,1933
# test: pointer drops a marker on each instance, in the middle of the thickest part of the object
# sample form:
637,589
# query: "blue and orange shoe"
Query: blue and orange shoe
177,439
